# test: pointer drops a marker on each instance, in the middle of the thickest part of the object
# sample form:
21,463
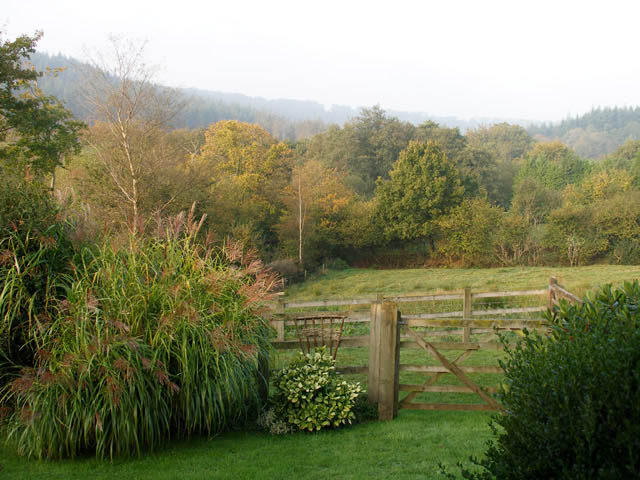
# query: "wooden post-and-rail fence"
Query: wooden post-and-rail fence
390,332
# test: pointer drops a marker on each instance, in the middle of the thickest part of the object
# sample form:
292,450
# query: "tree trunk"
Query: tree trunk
300,220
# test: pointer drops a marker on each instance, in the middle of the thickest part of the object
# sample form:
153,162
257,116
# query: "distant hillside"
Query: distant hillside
598,132
593,134
283,118
203,109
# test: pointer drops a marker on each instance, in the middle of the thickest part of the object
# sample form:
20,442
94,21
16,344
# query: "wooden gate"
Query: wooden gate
444,368
392,333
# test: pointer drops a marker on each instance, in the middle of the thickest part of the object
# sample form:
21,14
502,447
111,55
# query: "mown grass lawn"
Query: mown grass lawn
409,447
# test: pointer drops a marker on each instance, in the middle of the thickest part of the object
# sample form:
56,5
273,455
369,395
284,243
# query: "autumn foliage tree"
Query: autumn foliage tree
249,169
323,216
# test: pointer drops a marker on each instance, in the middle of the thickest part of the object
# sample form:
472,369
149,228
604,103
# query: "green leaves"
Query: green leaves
35,129
424,185
310,394
573,398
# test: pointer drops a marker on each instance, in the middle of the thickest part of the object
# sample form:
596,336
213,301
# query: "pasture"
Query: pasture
362,282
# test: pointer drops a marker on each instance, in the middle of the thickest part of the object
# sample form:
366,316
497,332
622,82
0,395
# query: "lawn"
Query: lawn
409,447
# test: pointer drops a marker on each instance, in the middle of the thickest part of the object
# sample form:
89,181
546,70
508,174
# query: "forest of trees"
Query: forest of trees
596,133
375,191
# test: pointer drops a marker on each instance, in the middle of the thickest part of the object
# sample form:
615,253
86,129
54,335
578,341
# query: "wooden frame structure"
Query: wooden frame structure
319,330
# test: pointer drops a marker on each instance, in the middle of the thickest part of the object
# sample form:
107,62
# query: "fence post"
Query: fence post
280,324
374,341
466,315
553,281
384,358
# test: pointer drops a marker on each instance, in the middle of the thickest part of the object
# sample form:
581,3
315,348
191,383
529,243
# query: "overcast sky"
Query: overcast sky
539,60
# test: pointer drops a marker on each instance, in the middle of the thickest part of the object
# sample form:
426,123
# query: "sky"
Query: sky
534,60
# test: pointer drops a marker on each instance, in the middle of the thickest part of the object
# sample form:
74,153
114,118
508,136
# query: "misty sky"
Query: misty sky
540,60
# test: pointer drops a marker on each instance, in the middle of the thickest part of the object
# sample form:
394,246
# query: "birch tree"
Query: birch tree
131,119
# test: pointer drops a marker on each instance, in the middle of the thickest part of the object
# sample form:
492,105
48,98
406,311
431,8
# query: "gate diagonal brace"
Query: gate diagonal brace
436,376
453,369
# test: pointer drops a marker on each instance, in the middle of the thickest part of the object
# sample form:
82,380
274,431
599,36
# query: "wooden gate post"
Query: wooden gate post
280,324
384,358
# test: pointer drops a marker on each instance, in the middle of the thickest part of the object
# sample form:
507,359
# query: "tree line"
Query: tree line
376,191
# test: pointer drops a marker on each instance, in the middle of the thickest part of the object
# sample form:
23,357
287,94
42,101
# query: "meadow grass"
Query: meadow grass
354,283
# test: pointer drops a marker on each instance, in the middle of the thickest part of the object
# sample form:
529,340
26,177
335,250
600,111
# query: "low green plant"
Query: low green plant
311,395
572,398
270,421
337,264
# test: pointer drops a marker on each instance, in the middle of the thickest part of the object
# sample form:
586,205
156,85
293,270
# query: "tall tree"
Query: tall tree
553,164
449,139
249,169
323,217
424,185
508,142
132,118
35,129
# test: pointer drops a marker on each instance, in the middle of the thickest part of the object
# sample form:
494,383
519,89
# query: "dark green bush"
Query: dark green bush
310,395
337,264
164,338
35,255
625,252
572,398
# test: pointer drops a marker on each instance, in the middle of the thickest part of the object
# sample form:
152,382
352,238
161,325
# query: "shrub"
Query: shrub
572,399
287,268
337,264
273,423
35,255
625,252
310,395
162,339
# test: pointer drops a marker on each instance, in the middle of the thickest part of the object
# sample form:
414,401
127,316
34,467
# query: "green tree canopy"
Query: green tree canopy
424,185
449,139
508,142
35,129
554,165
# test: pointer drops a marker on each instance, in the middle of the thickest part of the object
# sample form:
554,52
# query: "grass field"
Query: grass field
353,283
407,448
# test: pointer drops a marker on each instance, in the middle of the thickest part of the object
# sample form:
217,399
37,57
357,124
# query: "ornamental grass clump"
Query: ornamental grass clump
162,339
311,395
